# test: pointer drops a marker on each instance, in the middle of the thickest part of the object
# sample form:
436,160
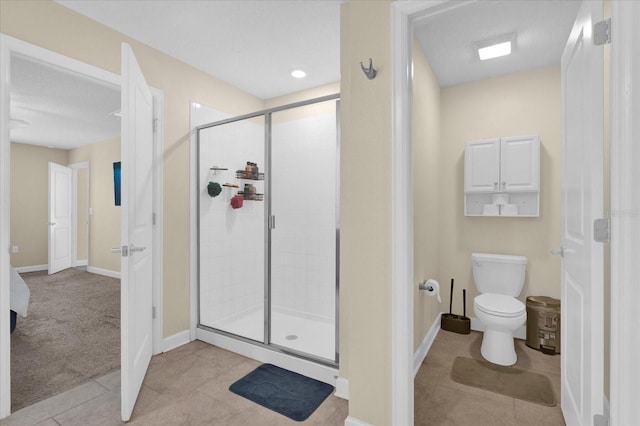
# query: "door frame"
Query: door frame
625,341
625,213
8,46
74,206
404,15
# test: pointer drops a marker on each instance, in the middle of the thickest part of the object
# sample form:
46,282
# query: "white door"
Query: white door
582,202
137,199
482,165
59,224
520,163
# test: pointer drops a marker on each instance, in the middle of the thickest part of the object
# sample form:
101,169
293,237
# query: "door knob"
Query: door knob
124,250
561,251
134,249
557,251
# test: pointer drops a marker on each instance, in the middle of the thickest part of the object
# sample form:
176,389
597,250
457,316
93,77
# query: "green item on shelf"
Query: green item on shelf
214,189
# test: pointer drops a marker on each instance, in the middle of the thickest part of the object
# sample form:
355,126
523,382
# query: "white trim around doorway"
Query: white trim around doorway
74,208
625,213
404,16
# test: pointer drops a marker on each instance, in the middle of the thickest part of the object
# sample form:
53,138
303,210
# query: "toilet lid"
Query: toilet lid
499,305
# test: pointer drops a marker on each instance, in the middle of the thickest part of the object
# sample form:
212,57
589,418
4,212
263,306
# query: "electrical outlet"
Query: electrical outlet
15,249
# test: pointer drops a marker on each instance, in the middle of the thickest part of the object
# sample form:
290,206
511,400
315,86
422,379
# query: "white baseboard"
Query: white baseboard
34,268
81,263
176,340
302,366
520,333
342,388
423,349
352,421
105,272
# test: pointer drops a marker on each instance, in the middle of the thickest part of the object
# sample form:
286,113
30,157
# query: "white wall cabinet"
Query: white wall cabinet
502,176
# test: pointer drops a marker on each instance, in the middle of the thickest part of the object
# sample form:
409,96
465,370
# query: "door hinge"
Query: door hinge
153,218
602,32
155,125
153,312
602,230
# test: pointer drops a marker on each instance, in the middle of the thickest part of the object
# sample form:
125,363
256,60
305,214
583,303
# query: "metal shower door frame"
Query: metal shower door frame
266,343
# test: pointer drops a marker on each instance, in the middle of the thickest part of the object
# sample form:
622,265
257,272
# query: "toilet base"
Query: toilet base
498,347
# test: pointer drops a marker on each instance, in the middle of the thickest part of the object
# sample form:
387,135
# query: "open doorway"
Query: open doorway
150,164
63,125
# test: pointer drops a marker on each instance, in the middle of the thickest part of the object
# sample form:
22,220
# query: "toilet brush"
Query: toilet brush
456,323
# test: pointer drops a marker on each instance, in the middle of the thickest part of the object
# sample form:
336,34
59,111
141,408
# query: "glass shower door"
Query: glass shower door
232,231
303,192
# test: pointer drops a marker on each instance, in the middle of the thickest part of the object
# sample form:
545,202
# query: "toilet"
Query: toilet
499,278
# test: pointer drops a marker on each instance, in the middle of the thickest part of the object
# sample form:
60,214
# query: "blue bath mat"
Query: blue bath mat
283,391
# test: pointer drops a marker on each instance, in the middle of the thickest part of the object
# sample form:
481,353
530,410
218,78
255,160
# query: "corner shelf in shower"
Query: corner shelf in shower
242,174
251,196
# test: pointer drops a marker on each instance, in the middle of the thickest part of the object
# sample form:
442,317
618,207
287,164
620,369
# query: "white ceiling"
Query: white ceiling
542,29
62,109
253,45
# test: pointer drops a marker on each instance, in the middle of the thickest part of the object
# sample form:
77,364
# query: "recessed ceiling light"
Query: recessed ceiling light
297,73
496,46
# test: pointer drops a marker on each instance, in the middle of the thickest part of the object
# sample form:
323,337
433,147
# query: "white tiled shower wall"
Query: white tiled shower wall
303,255
231,240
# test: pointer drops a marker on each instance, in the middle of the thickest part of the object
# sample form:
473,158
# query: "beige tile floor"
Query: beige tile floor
189,386
441,401
186,386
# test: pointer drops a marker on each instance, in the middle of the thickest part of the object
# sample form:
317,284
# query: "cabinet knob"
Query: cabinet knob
504,183
495,184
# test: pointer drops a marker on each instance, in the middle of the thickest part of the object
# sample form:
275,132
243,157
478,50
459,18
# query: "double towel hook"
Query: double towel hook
370,72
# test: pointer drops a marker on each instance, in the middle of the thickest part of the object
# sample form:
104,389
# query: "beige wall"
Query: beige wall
82,213
516,104
29,201
54,27
365,211
426,188
308,111
104,223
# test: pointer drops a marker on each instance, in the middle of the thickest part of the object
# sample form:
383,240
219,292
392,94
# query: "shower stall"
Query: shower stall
268,230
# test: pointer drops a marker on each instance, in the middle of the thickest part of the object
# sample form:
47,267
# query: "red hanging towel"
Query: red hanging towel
237,201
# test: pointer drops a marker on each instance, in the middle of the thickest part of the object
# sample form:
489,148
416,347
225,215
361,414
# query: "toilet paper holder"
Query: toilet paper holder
432,288
423,286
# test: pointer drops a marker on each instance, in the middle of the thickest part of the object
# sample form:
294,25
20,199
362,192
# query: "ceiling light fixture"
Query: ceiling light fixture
298,73
496,46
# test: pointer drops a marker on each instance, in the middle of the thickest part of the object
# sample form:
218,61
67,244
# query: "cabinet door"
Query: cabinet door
520,164
482,165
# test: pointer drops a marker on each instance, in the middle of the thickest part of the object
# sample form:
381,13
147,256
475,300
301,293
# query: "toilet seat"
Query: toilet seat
499,305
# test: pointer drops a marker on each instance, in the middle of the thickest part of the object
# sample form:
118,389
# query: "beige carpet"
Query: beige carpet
70,335
509,381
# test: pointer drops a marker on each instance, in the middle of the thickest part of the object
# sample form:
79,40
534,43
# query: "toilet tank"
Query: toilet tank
498,273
